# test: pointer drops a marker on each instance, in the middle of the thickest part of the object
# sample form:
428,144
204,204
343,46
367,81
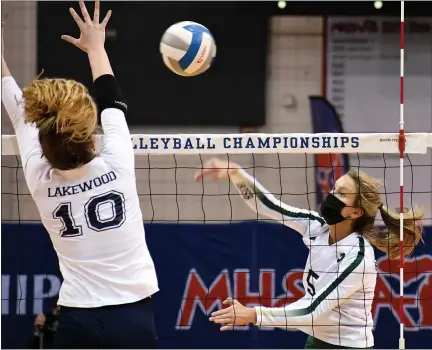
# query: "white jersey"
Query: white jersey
339,279
91,213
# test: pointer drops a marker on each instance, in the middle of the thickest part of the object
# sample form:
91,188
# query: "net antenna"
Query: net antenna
401,195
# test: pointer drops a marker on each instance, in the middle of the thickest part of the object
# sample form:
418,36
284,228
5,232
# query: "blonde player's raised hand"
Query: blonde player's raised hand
235,314
218,169
92,36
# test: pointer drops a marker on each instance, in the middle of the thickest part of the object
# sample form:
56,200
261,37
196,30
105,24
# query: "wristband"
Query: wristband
107,93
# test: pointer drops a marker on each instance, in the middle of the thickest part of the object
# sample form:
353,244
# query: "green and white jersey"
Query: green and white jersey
339,279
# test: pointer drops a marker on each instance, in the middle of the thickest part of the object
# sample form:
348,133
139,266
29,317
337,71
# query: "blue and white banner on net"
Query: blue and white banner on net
263,143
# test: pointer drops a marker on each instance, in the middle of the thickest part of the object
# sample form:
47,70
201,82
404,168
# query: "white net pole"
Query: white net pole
401,177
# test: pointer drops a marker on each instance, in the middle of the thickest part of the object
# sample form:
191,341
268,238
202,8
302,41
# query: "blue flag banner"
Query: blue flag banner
198,266
330,166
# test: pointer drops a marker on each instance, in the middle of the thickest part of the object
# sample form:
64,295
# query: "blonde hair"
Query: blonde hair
388,239
66,117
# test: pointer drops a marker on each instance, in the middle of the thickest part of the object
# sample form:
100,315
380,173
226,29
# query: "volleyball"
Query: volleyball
188,48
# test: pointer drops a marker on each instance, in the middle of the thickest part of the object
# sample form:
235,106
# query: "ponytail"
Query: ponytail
388,240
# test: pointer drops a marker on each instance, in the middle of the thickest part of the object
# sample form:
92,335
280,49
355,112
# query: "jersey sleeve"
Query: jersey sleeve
309,311
27,134
306,222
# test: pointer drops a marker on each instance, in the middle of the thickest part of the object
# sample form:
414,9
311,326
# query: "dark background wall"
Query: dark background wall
231,93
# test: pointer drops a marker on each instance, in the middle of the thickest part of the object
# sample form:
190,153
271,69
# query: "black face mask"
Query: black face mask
331,210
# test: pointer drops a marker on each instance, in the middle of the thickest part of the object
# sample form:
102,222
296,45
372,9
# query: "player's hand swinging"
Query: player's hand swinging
235,314
218,168
92,35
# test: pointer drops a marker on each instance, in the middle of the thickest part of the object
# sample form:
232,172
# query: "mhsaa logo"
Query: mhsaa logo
417,291
198,296
207,298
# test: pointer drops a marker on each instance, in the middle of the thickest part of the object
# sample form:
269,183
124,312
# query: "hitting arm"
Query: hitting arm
265,204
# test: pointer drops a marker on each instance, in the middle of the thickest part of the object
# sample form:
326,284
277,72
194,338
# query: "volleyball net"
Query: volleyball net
208,245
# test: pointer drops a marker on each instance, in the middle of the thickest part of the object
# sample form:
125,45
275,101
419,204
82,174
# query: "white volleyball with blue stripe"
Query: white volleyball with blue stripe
188,48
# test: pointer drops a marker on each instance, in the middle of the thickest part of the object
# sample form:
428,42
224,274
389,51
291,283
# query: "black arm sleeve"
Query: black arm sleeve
107,93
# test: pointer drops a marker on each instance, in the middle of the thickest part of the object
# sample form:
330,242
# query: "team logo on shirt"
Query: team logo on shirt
341,257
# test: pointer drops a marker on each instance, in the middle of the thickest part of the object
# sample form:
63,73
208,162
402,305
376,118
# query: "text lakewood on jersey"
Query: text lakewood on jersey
227,142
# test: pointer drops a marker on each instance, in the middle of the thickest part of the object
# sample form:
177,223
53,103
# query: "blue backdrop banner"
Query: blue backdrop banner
198,267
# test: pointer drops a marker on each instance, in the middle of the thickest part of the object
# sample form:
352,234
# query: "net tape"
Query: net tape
260,143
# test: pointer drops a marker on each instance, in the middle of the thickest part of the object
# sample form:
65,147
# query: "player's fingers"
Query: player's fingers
69,39
96,13
202,173
199,175
221,312
225,320
228,301
221,174
227,327
106,19
77,18
209,163
85,13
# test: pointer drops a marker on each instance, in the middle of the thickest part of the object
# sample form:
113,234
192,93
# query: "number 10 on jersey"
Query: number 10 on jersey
64,212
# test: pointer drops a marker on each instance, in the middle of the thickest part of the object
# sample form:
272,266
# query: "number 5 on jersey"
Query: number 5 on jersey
310,278
63,212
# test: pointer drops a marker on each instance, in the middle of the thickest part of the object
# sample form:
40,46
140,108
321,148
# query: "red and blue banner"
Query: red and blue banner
329,166
200,265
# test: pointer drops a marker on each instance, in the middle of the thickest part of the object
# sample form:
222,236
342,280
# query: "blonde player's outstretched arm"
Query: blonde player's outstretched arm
262,201
117,145
26,134
92,38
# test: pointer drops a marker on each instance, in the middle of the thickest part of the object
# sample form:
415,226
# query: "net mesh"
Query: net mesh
235,260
